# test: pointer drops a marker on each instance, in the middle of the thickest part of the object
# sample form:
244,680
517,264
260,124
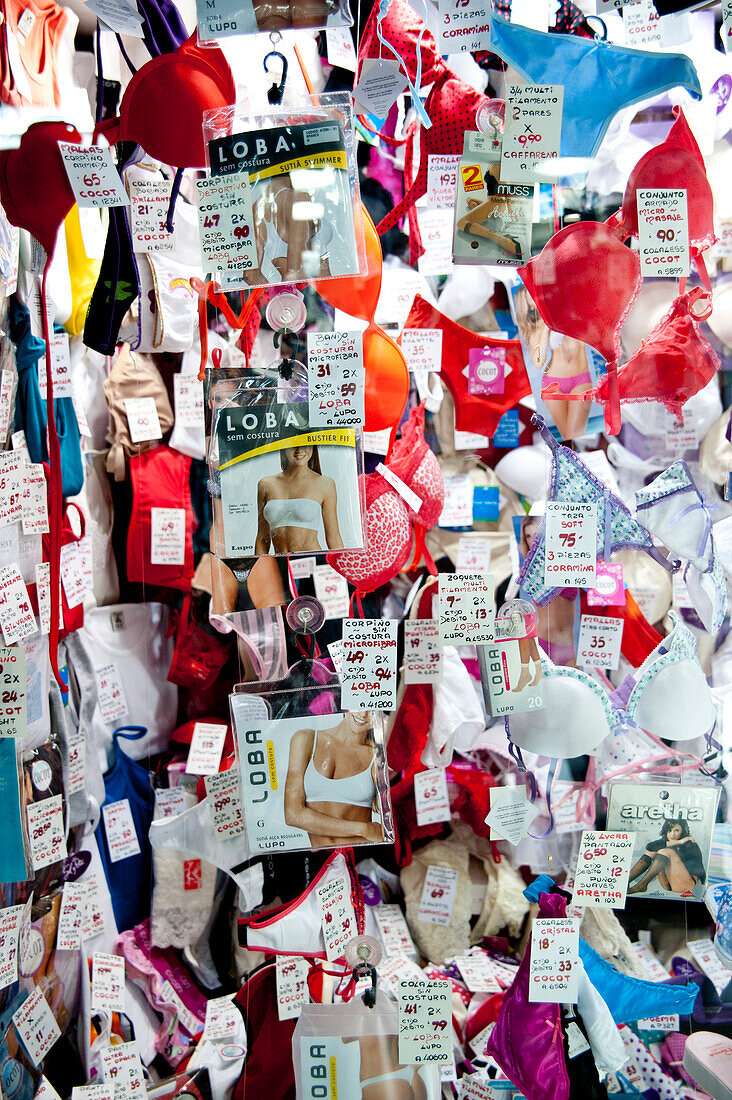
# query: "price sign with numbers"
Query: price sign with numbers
368,674
465,25
335,379
603,867
570,544
430,796
123,1070
12,692
663,232
422,655
223,791
425,1021
226,224
533,130
599,641
467,609
554,970
149,201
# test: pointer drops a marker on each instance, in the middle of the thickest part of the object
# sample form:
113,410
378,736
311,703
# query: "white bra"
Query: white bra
297,512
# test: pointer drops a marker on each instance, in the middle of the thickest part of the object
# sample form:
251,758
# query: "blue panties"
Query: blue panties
584,65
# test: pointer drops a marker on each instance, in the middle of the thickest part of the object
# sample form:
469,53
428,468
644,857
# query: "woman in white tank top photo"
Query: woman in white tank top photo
330,790
295,505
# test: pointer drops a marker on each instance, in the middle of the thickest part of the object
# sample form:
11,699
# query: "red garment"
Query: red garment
268,1070
414,461
401,28
160,479
473,413
162,108
387,541
453,107
584,283
73,616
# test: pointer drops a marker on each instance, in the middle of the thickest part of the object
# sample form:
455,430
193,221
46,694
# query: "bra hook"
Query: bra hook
276,92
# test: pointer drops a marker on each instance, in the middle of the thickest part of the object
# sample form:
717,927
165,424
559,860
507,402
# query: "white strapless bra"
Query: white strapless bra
298,512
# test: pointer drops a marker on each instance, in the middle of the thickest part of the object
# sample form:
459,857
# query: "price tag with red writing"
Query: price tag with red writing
422,654
533,130
603,867
570,544
292,986
368,673
142,419
9,929
71,917
36,1026
93,175
46,831
422,348
554,972
663,232
123,1070
16,614
394,930
331,589
207,743
335,379
108,983
430,796
338,917
223,791
464,27
442,180
110,693
467,609
120,829
599,641
222,1018
167,536
225,222
438,895
425,1021
12,692
149,201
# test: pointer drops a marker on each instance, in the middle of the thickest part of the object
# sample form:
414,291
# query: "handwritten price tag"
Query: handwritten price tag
422,655
430,796
603,867
142,419
533,129
599,641
46,832
438,895
292,986
332,591
119,827
222,1018
570,544
110,693
108,983
149,201
93,175
9,929
663,232
335,379
223,791
167,536
188,398
442,181
225,221
422,348
13,711
36,1026
16,614
123,1070
394,931
466,608
464,27
207,743
554,972
338,917
425,1021
369,669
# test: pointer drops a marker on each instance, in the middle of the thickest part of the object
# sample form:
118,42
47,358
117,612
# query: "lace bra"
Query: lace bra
352,790
297,512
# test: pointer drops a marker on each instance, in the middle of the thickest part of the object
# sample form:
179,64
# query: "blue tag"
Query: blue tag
507,430
485,503
12,852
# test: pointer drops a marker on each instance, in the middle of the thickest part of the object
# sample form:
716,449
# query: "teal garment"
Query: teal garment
30,407
12,850
583,65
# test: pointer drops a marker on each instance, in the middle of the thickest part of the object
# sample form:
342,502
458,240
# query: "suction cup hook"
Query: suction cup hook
276,92
305,615
364,954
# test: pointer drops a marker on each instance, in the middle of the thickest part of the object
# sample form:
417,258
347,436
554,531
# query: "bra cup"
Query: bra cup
573,722
708,595
682,537
677,703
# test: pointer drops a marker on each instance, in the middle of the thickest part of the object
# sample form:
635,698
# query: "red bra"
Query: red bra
163,105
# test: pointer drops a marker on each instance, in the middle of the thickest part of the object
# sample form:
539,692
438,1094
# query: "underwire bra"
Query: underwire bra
473,412
293,512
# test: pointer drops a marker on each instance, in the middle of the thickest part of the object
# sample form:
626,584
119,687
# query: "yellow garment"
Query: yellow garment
83,273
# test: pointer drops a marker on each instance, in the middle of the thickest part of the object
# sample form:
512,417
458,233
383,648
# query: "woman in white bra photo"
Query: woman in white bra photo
383,1077
292,506
330,789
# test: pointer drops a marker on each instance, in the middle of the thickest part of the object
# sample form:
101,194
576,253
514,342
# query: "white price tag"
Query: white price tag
226,222
118,15
396,967
340,47
438,895
603,867
725,31
663,232
149,201
338,917
36,1026
292,986
188,398
554,971
302,567
142,418
60,369
93,920
169,802
336,379
425,1021
599,641
13,707
11,482
332,591
207,744
394,930
100,1090
467,608
223,791
71,917
7,384
533,130
464,28
43,592
658,1023
706,956
93,175
422,655
511,813
649,961
442,180
9,929
430,796
435,227
408,496
110,694
33,500
72,574
46,832
123,1070
369,674
570,544
46,1091
222,1019
335,651
457,510
473,554
119,827
108,983
642,24
379,86
477,973
422,348
167,536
